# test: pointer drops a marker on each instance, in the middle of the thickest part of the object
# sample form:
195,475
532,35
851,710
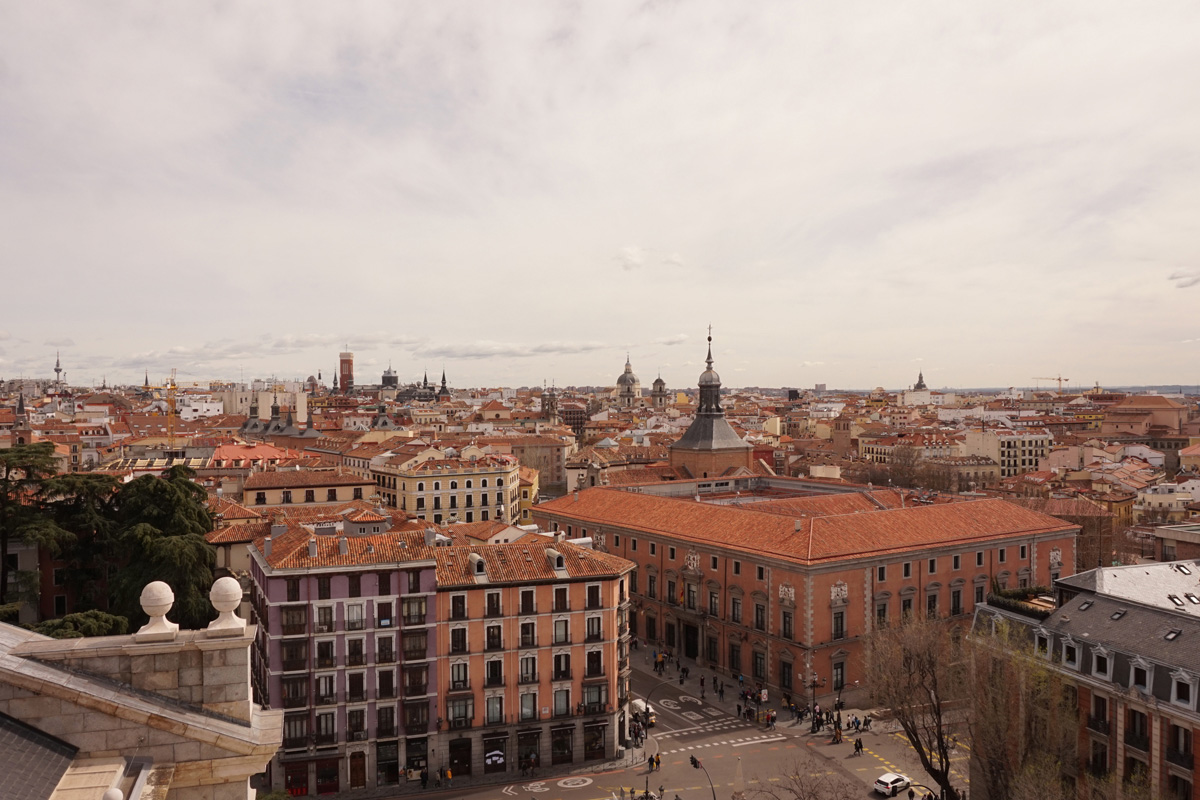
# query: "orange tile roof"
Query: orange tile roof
287,479
806,540
524,562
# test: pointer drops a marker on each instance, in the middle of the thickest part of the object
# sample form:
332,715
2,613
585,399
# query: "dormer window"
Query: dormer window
1070,654
1101,664
1183,689
1085,605
479,567
559,563
1140,674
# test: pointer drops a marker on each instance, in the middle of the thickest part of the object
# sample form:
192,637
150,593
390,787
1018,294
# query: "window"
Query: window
1100,663
310,496
616,540
1024,551
652,587
839,625
1070,654
492,604
355,586
979,558
931,605
495,710
493,640
458,640
839,676
593,629
260,499
561,601
593,597
785,675
325,619
384,586
458,606
358,495
760,665
786,626
354,617
528,667
881,573
529,706
714,605
562,667
287,496
1183,690
713,562
735,658
1139,676
906,607
881,614
956,606
527,604
633,545
528,634
413,609
671,596
1003,554
908,569
633,582
932,566
978,595
293,590
562,631
737,568
671,553
653,548
414,580
493,674
461,711
459,677
562,702
761,573
957,562
735,610
594,664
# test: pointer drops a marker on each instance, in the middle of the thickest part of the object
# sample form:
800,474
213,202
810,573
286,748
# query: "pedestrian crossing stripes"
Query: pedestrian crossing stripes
744,739
706,728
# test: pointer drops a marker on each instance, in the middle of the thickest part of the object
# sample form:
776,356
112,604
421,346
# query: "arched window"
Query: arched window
499,481
479,568
421,487
453,484
437,486
483,483
468,483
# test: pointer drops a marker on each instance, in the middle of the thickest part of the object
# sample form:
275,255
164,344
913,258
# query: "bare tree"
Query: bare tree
905,465
807,777
916,672
1023,719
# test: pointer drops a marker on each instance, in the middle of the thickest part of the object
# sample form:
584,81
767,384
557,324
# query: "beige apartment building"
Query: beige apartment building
482,488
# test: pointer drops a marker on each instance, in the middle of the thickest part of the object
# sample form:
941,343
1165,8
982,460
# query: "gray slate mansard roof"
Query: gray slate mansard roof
33,762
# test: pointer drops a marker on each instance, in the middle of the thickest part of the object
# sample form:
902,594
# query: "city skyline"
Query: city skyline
848,195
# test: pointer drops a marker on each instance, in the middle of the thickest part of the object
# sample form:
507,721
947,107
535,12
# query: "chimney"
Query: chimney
267,547
312,547
343,546
278,529
577,496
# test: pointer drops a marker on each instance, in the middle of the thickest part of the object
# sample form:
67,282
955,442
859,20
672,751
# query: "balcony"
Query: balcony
357,736
595,708
594,604
494,644
494,680
594,672
459,648
1097,767
324,739
561,607
460,686
594,637
385,733
295,742
458,614
295,629
529,641
356,660
384,622
415,655
562,639
355,624
293,664
499,720
416,727
562,674
838,633
416,689
326,662
299,701
528,608
386,692
1180,758
1098,724
1137,740
327,699
622,629
414,619
622,663
385,657
493,611
528,677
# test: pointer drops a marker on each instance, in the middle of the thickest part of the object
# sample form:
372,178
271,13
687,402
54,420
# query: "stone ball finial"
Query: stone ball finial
226,596
157,599
113,794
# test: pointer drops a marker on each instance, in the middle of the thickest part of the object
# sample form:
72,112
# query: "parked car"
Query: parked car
644,712
889,784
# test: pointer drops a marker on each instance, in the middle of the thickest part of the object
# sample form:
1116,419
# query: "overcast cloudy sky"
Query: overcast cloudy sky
520,191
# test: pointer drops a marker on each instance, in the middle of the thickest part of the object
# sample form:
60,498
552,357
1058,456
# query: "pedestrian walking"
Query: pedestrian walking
441,772
681,679
741,680
424,777
722,692
739,709
912,793
449,778
702,683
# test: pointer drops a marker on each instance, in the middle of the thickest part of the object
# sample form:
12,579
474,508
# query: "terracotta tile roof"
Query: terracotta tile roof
288,479
524,562
228,510
806,540
367,516
290,550
239,534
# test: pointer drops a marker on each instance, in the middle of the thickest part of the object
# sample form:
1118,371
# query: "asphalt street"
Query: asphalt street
709,730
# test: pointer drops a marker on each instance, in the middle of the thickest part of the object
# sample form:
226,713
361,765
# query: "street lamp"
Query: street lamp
813,683
696,764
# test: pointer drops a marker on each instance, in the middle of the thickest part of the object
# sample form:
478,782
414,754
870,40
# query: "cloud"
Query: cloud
489,349
631,258
671,341
60,342
812,363
4,335
673,260
1185,279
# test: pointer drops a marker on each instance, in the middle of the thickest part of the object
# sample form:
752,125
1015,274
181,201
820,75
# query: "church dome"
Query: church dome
710,378
659,384
627,378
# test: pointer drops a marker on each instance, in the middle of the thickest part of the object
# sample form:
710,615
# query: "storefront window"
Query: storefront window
460,756
495,755
416,754
327,776
593,741
295,777
387,764
562,746
528,748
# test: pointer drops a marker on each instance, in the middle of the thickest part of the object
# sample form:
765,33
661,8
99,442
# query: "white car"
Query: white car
889,784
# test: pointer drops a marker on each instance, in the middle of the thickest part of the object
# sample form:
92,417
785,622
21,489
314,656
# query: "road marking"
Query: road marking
574,783
761,741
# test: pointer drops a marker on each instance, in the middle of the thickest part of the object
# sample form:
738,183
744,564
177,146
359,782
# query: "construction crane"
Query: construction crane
171,411
1060,380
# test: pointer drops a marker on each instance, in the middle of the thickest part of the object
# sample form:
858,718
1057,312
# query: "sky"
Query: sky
525,192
